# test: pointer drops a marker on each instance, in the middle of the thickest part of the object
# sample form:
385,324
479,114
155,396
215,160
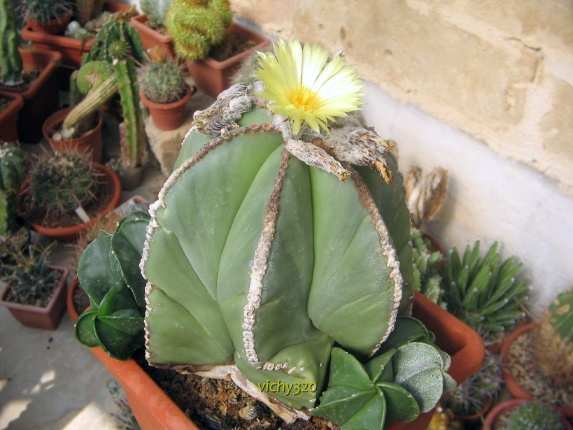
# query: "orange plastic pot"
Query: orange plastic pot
154,410
52,26
510,382
150,37
212,76
167,116
72,232
507,406
9,117
47,318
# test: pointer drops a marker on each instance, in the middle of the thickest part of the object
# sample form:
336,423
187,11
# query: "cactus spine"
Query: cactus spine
197,25
10,59
13,169
554,345
162,81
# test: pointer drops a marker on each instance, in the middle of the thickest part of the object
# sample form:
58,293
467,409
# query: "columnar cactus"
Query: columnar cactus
13,169
554,347
10,58
197,25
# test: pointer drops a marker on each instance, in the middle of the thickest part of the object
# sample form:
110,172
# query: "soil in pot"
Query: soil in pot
214,404
233,44
521,364
28,76
104,194
38,300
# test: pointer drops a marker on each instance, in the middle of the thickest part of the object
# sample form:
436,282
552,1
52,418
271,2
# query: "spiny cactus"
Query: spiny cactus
162,81
156,10
46,10
197,25
108,271
534,416
10,58
484,292
62,181
86,10
554,345
407,371
13,170
428,268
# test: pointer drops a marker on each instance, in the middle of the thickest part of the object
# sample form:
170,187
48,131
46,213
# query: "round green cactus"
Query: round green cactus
257,257
534,416
162,81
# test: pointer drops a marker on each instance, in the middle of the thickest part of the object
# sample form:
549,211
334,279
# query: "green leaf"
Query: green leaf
85,329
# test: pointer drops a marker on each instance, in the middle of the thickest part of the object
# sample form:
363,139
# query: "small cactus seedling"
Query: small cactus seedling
62,182
13,169
534,416
554,345
197,25
108,271
484,292
428,268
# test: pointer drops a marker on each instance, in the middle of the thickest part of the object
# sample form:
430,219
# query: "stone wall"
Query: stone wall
483,88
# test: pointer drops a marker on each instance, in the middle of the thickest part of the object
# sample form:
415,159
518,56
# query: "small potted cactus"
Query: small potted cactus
35,292
212,45
521,414
163,90
66,193
47,16
13,170
538,357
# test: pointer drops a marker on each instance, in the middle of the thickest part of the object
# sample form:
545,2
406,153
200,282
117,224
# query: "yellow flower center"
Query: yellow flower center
304,98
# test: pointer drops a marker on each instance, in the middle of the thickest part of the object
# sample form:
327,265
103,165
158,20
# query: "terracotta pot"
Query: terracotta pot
47,318
510,382
167,116
151,37
70,48
507,406
41,99
9,117
70,305
154,410
72,232
52,26
212,76
89,142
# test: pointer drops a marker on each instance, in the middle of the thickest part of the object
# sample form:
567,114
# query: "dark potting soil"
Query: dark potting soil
41,300
233,44
214,404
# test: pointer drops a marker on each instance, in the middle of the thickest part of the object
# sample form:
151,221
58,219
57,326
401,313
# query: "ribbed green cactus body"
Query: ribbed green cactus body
13,169
259,259
10,59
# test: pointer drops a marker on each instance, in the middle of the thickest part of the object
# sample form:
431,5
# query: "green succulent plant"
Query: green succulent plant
45,10
197,25
10,58
484,292
407,376
534,416
108,271
13,170
156,10
86,10
62,181
428,268
162,81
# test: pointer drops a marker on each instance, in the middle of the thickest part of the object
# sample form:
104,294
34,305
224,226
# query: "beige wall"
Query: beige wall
501,71
483,88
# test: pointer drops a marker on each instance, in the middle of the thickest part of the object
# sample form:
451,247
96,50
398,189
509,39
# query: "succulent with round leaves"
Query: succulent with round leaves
108,271
62,181
534,416
428,268
198,25
484,292
406,376
554,346
10,59
162,80
13,170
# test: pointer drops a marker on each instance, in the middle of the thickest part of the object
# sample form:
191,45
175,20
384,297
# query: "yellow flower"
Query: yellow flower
304,86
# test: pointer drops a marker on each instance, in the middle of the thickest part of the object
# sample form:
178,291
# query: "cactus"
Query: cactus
483,292
10,58
46,10
197,25
428,268
86,10
407,376
162,81
62,181
156,10
554,346
13,169
534,416
108,271
30,277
